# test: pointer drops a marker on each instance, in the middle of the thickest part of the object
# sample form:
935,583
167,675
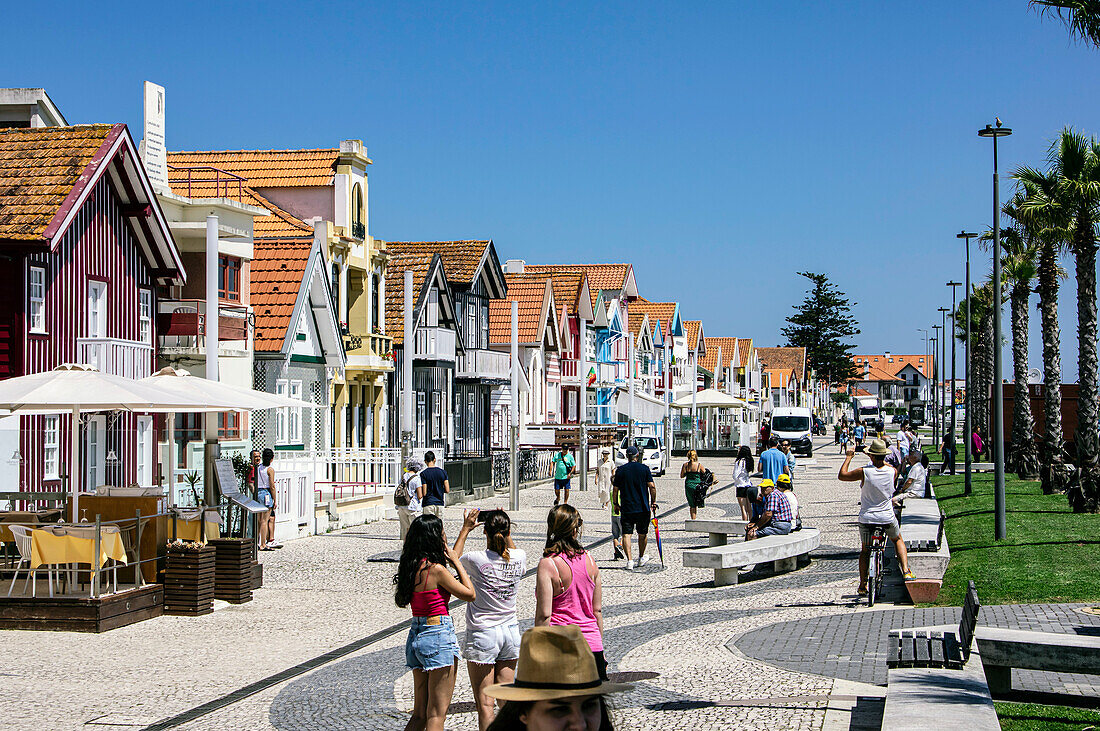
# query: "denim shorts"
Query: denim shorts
491,645
431,646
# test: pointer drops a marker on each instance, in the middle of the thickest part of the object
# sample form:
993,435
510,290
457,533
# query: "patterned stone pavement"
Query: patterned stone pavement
321,646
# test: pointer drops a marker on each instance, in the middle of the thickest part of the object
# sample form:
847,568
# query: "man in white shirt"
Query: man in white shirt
406,514
903,441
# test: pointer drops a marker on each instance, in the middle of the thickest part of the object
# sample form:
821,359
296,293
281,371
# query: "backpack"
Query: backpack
401,492
707,482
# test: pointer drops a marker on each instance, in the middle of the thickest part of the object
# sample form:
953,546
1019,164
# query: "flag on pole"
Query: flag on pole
591,375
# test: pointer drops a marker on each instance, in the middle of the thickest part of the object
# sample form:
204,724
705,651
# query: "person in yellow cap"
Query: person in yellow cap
787,488
557,685
776,519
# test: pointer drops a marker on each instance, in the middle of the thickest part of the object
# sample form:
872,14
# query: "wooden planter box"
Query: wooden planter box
189,581
233,569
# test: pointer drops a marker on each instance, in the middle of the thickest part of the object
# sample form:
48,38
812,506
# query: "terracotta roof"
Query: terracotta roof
38,169
634,323
460,258
710,360
600,276
881,360
874,373
779,377
863,392
278,224
567,289
268,168
691,331
395,290
744,349
784,357
530,291
662,311
277,269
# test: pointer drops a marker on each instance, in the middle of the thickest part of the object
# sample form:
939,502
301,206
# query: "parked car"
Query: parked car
898,418
652,453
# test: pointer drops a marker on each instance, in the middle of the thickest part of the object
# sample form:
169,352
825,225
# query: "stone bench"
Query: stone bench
1004,649
929,554
727,559
718,529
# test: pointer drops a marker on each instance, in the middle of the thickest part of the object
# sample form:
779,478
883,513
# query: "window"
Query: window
188,429
50,450
36,295
376,325
485,324
421,420
294,415
431,315
229,278
145,450
229,425
145,315
282,387
358,229
470,421
97,309
437,414
472,330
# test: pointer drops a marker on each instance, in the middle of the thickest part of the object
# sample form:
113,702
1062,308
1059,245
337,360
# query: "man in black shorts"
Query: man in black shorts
633,483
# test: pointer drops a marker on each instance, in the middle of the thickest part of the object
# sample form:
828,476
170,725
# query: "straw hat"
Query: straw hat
554,662
878,448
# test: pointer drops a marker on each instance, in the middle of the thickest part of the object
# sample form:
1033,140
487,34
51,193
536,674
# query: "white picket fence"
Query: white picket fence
344,472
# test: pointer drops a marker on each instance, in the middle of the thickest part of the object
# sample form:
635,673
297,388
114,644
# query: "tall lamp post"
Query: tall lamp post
935,380
966,417
943,370
954,339
1000,530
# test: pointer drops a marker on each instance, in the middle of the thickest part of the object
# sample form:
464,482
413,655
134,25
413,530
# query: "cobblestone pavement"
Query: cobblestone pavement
275,661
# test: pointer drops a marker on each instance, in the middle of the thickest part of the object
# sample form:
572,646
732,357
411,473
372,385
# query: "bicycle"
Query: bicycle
875,566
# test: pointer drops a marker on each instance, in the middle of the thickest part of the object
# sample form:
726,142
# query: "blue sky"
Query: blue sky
718,147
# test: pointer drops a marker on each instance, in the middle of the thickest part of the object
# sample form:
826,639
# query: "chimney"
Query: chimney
887,354
514,266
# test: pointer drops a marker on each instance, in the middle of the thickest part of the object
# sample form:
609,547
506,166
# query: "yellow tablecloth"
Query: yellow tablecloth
47,548
188,530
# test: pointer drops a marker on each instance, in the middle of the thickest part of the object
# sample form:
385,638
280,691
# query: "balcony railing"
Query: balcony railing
476,363
358,230
182,323
128,358
204,181
434,343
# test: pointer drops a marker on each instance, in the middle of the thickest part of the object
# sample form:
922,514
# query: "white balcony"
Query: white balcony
476,363
434,343
128,358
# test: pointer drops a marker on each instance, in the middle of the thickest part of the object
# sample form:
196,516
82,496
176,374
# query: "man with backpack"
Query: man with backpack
406,496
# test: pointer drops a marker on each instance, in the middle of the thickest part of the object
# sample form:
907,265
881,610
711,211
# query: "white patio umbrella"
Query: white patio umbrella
712,398
74,388
182,383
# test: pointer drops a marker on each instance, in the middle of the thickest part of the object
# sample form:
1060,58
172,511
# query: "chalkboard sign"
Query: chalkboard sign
229,487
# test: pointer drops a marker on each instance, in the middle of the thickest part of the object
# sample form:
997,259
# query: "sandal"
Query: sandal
861,592
908,576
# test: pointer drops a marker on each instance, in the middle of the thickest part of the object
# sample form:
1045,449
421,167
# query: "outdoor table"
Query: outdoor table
65,544
25,517
188,530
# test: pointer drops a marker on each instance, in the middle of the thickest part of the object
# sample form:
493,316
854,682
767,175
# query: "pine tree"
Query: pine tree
822,324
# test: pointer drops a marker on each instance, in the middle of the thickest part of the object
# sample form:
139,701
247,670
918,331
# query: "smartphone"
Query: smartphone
484,515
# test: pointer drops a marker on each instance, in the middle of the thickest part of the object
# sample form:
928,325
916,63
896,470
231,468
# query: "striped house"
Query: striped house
86,254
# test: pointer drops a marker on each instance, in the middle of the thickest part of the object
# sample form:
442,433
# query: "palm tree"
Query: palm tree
1044,213
1081,17
981,356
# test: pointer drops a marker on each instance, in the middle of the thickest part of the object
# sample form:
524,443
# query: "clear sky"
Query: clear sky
718,147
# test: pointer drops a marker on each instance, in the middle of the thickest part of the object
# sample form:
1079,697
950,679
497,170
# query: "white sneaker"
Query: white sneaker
643,561
630,564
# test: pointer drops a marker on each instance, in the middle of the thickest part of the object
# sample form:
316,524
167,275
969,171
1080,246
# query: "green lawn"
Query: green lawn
1031,717
1050,555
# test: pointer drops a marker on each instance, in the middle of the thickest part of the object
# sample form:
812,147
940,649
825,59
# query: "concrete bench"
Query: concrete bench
718,529
922,529
726,560
1004,649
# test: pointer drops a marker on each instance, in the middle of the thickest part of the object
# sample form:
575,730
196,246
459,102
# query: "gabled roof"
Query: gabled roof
618,277
463,261
874,373
691,331
784,357
421,266
277,272
535,298
729,351
268,168
780,377
572,292
47,173
893,363
744,352
636,320
659,312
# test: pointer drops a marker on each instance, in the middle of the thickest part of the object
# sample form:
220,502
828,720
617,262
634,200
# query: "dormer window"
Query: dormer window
358,228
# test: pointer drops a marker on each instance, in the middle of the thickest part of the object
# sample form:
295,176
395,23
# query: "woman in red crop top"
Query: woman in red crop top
425,583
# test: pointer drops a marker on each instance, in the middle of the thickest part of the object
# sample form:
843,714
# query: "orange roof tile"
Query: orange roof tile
744,346
784,357
691,331
710,360
600,276
460,258
874,373
38,169
277,269
395,290
567,289
657,311
634,323
779,377
531,292
268,168
278,224
880,360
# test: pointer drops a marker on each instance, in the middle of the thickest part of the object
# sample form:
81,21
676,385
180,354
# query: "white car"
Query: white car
652,453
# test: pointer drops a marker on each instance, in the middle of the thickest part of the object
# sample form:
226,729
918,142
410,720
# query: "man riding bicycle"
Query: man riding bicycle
876,507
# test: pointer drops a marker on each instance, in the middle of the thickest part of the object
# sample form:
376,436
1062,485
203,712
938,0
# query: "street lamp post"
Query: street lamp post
1000,530
935,380
943,371
966,417
954,339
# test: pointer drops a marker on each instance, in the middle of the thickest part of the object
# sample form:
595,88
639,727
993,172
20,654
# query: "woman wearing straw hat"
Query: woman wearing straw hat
557,685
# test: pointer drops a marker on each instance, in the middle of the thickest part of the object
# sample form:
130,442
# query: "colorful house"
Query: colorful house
88,256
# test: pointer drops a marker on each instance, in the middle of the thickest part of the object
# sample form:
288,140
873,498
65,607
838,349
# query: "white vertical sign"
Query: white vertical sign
153,155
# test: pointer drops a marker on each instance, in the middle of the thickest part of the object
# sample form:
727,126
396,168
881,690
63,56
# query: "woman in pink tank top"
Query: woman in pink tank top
567,588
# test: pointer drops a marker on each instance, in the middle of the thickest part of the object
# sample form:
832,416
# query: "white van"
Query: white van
793,423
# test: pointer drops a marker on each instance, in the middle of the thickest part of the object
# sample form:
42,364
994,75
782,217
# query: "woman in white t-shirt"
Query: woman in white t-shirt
742,468
491,645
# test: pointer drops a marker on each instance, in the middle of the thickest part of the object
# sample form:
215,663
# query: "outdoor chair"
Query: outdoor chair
23,545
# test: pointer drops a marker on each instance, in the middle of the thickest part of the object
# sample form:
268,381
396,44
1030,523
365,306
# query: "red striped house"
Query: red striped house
84,253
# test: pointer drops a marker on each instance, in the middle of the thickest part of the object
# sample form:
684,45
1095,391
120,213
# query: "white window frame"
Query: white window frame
437,415
36,304
294,414
51,448
97,308
282,386
145,451
145,315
